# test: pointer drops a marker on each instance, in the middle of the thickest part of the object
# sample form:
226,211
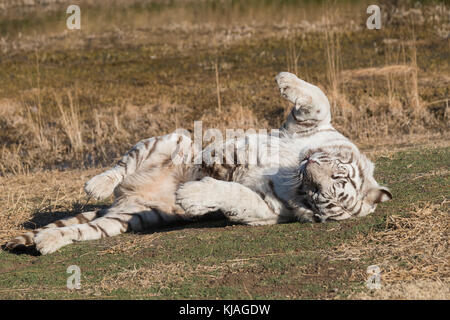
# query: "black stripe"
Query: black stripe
353,172
59,224
138,161
262,195
126,188
93,227
81,218
166,162
331,205
359,210
352,182
103,231
361,176
338,214
353,208
123,164
152,149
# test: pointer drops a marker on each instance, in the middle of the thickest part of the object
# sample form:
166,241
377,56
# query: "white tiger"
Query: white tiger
320,176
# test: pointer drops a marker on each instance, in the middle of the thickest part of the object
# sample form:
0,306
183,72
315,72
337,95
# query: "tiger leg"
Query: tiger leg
26,239
122,217
311,106
239,203
146,153
49,240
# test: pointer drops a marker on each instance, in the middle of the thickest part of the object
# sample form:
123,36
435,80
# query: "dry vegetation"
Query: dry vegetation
412,251
74,101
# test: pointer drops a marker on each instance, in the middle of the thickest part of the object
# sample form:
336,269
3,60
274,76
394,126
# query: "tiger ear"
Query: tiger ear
378,194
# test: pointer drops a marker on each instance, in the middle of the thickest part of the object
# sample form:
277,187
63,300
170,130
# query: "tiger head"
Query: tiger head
337,184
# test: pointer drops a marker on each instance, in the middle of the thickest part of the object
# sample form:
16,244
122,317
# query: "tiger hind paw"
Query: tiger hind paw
102,186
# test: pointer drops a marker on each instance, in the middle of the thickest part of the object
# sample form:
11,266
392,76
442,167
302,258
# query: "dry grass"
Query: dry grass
412,252
27,200
409,290
97,136
182,25
364,73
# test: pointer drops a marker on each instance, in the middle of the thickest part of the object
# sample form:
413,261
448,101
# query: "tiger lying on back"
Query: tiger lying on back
320,175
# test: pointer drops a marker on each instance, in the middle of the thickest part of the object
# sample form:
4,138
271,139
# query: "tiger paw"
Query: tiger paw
102,186
49,240
15,244
199,197
291,87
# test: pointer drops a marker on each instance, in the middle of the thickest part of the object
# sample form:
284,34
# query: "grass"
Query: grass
73,102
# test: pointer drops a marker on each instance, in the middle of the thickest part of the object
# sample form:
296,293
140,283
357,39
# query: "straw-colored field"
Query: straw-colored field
71,102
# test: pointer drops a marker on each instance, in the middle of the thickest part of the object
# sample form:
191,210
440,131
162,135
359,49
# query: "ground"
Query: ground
71,102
